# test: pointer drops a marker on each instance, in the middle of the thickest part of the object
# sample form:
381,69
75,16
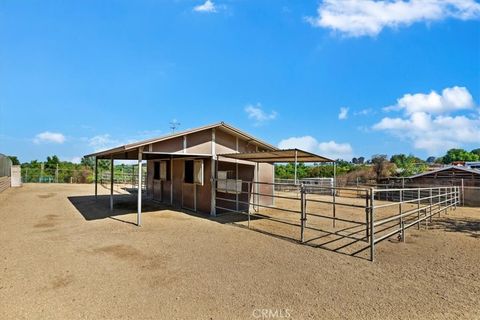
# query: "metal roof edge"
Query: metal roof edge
444,169
141,143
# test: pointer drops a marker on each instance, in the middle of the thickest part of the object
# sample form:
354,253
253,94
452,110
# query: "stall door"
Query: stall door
157,190
188,196
177,180
188,187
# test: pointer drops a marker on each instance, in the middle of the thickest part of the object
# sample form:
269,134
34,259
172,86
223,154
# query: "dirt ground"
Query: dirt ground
64,256
348,233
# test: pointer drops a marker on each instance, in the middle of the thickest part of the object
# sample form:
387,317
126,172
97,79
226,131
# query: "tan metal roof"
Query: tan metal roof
223,125
287,155
446,169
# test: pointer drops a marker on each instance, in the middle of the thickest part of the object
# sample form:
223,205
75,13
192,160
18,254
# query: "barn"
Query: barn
189,169
466,178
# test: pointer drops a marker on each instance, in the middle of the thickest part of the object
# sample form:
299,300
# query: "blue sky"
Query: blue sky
76,77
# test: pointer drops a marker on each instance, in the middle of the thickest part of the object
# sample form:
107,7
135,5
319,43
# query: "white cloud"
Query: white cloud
369,17
427,124
329,149
102,142
363,112
334,150
306,143
208,6
257,114
343,114
49,137
76,159
451,99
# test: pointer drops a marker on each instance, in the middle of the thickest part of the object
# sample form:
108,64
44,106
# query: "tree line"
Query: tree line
55,170
378,166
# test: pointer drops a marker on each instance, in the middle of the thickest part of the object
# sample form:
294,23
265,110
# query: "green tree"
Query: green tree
459,155
408,165
88,162
15,160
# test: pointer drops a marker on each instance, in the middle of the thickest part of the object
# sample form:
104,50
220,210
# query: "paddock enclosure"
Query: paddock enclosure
345,220
66,255
218,170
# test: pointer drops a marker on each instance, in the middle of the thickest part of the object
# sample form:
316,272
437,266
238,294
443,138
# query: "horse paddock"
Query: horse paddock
65,255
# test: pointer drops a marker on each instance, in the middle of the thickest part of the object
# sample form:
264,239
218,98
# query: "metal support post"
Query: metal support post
418,209
257,189
111,183
372,227
400,194
334,207
431,204
96,177
302,213
367,214
139,200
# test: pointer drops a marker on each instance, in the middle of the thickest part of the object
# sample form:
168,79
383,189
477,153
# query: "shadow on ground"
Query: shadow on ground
347,241
464,225
92,208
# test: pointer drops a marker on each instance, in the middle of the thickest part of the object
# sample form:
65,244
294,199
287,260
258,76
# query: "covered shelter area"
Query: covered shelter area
280,156
189,169
234,194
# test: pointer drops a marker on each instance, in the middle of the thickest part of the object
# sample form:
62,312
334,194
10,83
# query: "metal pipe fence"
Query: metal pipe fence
369,217
83,175
318,185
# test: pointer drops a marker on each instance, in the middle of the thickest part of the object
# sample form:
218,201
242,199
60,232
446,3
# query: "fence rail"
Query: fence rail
84,175
375,215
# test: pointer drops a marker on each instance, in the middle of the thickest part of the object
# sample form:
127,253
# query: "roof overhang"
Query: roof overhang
148,155
137,145
278,156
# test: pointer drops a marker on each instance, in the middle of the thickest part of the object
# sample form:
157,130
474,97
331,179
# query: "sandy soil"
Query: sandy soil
348,233
64,257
